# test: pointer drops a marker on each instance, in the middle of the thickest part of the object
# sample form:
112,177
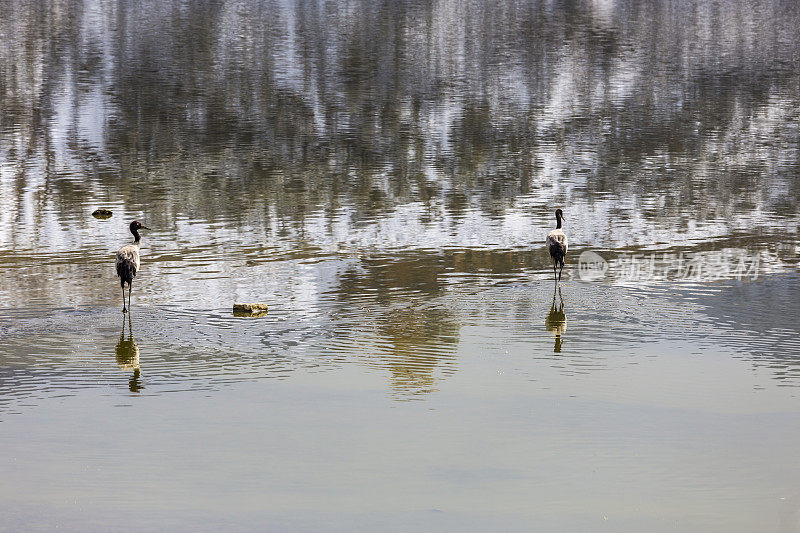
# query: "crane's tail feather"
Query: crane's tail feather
557,251
126,272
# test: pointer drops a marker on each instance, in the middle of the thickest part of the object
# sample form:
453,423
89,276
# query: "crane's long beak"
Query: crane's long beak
145,227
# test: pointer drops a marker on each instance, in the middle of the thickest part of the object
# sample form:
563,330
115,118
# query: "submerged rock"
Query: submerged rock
102,214
252,310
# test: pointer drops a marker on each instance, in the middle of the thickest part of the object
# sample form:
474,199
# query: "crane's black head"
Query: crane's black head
559,216
136,226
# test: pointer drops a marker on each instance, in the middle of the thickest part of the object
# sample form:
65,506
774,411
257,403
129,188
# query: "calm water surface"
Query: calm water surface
383,176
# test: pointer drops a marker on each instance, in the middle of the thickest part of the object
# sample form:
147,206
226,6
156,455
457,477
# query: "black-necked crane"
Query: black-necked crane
557,246
128,262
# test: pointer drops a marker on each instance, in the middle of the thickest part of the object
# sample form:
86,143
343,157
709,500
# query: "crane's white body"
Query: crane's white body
128,258
557,239
557,246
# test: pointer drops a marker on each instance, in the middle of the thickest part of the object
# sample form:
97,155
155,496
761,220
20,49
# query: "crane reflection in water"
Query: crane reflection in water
556,321
127,356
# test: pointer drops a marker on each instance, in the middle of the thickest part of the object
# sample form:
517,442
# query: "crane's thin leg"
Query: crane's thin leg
124,310
554,271
130,288
560,268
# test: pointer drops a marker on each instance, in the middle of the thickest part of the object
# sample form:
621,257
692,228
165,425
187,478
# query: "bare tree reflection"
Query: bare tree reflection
308,106
418,343
400,327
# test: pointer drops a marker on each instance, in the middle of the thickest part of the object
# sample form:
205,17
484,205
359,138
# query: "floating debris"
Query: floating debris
102,214
251,310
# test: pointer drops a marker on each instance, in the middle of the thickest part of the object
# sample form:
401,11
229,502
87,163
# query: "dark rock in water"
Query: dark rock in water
251,310
102,214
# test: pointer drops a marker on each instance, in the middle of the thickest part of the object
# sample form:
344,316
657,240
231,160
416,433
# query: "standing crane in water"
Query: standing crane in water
128,262
557,246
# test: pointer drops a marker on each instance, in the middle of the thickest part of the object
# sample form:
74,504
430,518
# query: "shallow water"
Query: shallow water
383,177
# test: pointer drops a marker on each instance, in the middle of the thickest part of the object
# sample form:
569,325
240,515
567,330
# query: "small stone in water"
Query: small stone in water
102,214
249,310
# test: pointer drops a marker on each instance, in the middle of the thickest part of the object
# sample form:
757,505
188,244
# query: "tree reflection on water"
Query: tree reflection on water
640,111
